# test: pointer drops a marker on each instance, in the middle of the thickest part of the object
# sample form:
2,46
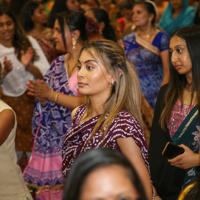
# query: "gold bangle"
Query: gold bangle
56,97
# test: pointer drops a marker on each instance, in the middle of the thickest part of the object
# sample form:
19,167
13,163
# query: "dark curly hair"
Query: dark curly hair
20,40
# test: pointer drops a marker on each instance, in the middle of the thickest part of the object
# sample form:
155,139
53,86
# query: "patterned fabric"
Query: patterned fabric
77,139
47,44
169,180
23,107
50,125
177,117
148,64
188,134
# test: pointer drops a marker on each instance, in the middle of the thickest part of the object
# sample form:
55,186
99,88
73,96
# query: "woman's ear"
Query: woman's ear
119,71
151,17
76,34
101,26
111,79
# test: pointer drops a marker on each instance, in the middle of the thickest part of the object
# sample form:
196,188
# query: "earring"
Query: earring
111,83
73,43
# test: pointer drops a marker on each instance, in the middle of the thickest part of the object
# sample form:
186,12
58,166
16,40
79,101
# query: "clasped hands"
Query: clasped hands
39,89
186,160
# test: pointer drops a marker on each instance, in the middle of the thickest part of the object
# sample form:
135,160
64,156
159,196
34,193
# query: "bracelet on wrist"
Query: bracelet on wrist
56,97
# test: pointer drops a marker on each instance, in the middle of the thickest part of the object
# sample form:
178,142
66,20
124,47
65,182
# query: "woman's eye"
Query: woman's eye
179,50
125,198
89,68
8,23
58,30
78,67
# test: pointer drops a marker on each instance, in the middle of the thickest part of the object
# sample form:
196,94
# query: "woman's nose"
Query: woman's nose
173,57
81,72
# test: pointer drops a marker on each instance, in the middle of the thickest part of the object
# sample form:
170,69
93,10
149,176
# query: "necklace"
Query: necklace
70,71
148,37
67,66
188,87
42,34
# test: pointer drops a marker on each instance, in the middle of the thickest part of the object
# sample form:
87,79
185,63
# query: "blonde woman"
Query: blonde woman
111,117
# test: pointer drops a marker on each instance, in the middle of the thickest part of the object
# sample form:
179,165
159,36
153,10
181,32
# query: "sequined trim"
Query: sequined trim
195,114
53,188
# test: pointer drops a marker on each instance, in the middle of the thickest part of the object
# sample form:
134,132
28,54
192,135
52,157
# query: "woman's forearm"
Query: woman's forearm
67,101
4,73
35,71
165,62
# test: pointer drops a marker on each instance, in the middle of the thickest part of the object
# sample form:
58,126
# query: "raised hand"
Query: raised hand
7,66
27,57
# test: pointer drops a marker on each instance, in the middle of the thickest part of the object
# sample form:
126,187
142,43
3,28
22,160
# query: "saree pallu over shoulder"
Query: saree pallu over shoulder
187,126
169,180
78,138
188,134
146,57
50,125
147,45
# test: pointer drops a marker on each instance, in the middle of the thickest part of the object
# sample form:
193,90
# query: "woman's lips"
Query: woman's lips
177,67
80,84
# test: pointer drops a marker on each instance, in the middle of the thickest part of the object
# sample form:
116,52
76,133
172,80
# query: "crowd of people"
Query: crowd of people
91,94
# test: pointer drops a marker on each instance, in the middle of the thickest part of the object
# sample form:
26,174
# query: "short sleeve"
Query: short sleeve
126,126
164,41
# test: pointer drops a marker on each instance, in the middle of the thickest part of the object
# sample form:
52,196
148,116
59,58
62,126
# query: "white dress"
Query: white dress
14,82
12,185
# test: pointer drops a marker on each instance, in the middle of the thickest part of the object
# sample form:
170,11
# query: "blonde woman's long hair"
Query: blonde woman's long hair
126,93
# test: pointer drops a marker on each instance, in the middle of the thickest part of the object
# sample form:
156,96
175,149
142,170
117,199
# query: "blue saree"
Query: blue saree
146,58
50,124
